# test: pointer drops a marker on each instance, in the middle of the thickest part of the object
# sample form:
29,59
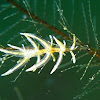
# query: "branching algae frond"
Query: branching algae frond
48,50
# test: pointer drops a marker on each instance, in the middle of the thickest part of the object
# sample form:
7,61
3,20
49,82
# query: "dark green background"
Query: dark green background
43,86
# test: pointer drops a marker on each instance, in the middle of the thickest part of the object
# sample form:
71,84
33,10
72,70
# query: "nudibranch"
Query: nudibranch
47,52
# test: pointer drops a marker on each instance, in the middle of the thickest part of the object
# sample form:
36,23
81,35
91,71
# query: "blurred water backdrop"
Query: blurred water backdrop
79,16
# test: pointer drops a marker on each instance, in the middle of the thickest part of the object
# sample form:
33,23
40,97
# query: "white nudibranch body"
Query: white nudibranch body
48,50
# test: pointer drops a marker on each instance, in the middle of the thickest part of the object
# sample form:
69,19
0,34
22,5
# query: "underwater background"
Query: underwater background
79,17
